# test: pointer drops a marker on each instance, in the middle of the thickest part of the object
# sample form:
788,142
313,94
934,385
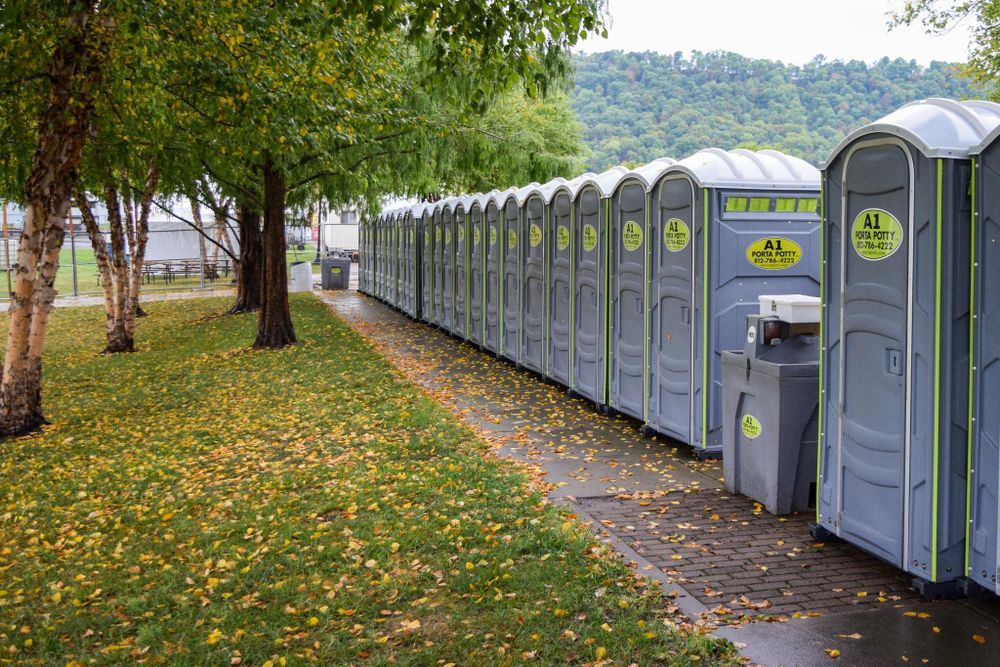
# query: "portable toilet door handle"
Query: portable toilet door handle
894,361
686,314
638,305
593,299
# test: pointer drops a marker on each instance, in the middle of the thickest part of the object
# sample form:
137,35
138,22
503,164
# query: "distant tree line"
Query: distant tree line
634,107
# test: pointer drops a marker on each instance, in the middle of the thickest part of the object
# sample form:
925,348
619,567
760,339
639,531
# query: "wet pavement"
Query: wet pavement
760,581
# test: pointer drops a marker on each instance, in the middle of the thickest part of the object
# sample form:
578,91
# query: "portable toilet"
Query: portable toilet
477,268
447,319
895,336
590,284
394,280
534,292
629,264
425,229
409,263
379,260
437,223
982,556
400,260
761,213
493,284
463,278
559,281
512,270
414,253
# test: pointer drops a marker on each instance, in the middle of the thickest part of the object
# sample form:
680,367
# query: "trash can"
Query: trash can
302,275
336,273
770,402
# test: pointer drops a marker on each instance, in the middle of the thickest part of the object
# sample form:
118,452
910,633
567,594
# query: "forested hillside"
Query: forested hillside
635,107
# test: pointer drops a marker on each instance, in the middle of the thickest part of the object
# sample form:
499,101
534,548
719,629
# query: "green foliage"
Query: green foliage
303,506
640,106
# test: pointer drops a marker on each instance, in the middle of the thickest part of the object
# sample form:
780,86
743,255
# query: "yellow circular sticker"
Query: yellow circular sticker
631,236
511,239
447,236
475,235
562,237
535,235
461,234
876,234
493,235
413,236
589,238
676,235
774,253
427,237
751,427
437,234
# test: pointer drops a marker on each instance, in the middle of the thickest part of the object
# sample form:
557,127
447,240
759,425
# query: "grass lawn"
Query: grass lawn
197,503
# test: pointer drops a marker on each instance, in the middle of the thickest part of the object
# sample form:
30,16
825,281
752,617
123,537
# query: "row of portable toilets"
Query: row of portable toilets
627,286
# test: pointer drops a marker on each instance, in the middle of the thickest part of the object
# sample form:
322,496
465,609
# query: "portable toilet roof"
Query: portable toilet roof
648,174
520,194
499,197
765,170
572,186
466,201
482,198
938,127
417,210
548,190
605,182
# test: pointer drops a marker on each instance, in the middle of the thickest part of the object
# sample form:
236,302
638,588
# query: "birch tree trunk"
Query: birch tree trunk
100,255
74,72
139,240
274,328
118,339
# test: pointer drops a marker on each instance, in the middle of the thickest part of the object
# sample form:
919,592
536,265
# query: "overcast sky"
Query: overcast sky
792,31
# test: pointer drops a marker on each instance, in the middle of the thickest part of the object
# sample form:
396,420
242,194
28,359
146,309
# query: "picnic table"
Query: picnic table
170,270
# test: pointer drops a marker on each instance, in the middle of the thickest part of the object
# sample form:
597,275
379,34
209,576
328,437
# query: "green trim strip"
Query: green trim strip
546,258
523,246
501,277
467,250
606,228
972,357
822,340
572,294
704,324
645,319
937,373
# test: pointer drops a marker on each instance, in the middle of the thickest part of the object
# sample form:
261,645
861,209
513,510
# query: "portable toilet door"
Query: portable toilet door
393,237
400,258
895,336
591,250
477,269
629,266
427,265
760,212
377,241
493,284
559,282
982,561
447,319
460,319
416,243
534,292
513,274
437,315
405,263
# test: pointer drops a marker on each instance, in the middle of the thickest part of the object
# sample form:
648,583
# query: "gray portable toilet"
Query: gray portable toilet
590,284
380,257
447,317
425,230
982,555
477,267
393,237
761,213
493,284
895,337
412,261
534,293
559,281
437,222
512,270
463,277
629,265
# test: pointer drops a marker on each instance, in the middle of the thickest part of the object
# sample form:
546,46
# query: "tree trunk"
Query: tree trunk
100,256
73,74
248,270
138,241
274,328
118,337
